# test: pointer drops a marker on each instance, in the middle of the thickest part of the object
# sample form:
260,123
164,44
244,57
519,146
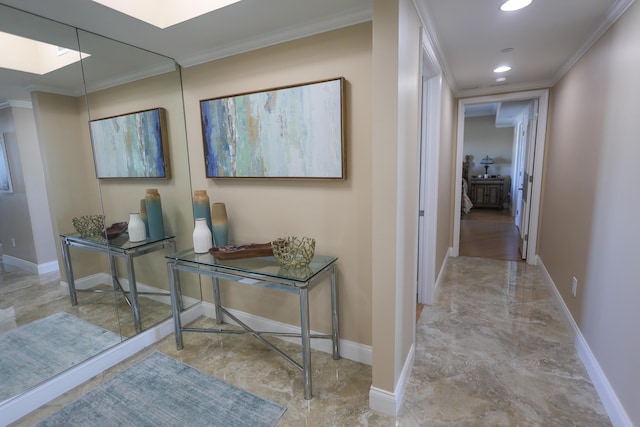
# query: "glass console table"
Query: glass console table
266,273
118,247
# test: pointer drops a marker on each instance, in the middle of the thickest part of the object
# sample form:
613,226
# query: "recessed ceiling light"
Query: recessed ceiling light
502,69
501,79
511,5
165,13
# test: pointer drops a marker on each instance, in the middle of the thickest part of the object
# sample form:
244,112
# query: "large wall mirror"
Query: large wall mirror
45,118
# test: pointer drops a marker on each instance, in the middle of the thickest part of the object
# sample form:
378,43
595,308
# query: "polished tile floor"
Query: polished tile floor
492,350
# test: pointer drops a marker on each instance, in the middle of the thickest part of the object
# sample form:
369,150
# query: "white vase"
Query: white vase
137,229
201,236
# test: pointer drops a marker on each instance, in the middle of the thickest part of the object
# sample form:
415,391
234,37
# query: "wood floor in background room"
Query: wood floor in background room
489,233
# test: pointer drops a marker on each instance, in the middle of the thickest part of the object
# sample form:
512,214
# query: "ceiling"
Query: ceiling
547,37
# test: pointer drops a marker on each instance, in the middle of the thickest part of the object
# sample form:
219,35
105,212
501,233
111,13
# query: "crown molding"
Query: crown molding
306,29
501,89
429,29
9,103
614,13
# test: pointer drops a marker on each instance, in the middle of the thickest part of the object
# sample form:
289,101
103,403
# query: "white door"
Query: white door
422,197
521,149
527,179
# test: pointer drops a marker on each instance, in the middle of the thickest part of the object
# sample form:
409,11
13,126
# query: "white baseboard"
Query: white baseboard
19,406
33,268
443,268
348,349
390,403
607,394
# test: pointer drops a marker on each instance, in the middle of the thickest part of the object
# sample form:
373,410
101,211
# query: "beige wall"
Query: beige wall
71,184
446,178
34,184
589,225
14,207
396,65
482,138
336,214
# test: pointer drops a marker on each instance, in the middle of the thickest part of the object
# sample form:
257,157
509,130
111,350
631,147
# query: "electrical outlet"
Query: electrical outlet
574,286
13,242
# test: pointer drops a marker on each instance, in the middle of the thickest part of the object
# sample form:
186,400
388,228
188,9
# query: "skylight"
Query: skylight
31,56
165,13
511,5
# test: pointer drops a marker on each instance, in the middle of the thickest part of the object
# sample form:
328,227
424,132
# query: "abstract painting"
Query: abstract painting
283,133
5,175
131,145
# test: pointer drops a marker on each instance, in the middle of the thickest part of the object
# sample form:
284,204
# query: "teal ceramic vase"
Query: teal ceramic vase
202,208
154,214
143,215
220,225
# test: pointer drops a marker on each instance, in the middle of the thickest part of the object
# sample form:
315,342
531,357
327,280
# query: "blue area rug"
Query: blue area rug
36,351
162,391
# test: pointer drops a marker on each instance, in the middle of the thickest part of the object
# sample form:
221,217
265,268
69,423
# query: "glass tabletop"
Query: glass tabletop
260,266
121,242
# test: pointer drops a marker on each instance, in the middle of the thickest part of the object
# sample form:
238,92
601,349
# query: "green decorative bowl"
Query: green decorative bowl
89,225
292,252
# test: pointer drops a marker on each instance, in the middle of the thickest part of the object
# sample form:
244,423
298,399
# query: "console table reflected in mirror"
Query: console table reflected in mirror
118,247
262,272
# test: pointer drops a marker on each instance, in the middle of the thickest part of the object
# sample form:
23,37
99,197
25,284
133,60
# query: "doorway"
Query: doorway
431,101
522,191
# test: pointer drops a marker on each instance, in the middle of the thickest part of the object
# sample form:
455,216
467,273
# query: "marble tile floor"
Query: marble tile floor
26,297
493,350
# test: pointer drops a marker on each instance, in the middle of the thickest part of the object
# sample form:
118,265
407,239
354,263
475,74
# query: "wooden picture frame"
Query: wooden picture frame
6,186
289,132
132,145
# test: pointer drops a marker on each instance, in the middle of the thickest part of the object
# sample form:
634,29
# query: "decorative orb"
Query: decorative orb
89,225
292,252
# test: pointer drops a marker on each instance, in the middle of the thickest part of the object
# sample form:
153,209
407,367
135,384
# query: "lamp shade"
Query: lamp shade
486,161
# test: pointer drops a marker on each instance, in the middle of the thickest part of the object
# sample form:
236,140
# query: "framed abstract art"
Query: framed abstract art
5,174
291,132
132,145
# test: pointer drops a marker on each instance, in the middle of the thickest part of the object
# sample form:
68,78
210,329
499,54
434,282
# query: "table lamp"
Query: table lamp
486,162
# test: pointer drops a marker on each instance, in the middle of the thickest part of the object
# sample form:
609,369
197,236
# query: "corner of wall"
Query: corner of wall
390,403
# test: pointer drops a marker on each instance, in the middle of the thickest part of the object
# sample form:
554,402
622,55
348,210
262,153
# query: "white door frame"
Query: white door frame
430,152
543,104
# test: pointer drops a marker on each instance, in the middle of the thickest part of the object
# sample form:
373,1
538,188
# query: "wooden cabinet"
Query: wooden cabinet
487,192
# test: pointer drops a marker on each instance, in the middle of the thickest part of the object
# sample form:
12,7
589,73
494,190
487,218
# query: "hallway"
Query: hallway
492,350
489,233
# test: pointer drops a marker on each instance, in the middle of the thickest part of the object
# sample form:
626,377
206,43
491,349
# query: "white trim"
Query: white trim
8,103
536,192
610,401
390,403
613,14
19,406
297,31
443,268
348,349
48,267
435,47
429,172
31,267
